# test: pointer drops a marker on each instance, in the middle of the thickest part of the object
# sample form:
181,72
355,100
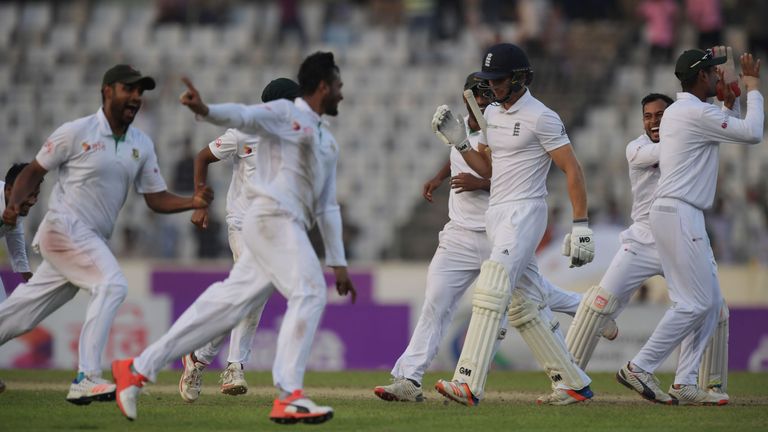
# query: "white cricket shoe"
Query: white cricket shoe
191,381
299,408
456,391
644,383
611,330
233,380
693,395
566,396
90,389
401,390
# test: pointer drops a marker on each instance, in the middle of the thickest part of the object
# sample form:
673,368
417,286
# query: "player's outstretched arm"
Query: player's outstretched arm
166,202
192,100
435,182
23,187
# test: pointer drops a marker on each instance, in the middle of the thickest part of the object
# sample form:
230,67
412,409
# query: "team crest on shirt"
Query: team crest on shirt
135,153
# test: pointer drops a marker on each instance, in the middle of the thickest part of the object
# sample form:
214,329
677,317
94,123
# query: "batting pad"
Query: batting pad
548,349
714,361
595,308
489,302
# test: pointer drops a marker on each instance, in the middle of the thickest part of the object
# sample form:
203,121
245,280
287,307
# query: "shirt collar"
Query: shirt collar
104,128
518,104
686,95
304,106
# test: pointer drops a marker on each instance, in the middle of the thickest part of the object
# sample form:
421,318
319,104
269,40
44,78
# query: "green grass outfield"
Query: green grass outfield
34,400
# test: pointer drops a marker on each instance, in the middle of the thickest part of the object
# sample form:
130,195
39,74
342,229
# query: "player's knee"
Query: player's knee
492,290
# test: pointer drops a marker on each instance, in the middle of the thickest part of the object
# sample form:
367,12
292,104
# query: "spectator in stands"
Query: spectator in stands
707,18
183,171
290,21
659,29
754,25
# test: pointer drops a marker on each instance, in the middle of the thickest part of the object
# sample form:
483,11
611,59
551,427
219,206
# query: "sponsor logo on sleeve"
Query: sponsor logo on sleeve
600,302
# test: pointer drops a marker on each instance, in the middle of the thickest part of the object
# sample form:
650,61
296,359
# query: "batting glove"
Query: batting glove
449,129
579,245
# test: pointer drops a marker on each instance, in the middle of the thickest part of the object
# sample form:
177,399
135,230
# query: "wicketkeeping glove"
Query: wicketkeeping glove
449,129
729,71
579,245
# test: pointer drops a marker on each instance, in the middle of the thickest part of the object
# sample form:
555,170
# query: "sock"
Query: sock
80,376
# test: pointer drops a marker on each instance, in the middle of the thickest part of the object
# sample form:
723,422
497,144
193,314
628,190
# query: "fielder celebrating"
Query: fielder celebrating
691,132
14,235
524,136
98,158
243,150
463,247
278,253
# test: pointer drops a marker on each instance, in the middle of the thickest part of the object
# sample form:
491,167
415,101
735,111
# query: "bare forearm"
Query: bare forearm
166,202
25,183
479,162
577,191
444,172
203,159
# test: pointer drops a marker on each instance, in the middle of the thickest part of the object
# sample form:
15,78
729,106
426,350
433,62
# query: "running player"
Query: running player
247,161
278,254
524,137
691,132
98,158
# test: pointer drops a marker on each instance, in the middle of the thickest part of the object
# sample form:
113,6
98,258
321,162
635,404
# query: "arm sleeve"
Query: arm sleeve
328,217
252,119
58,148
643,155
718,126
551,131
225,146
149,178
17,248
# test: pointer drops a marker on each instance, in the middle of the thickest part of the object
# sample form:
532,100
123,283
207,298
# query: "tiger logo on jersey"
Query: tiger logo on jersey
135,154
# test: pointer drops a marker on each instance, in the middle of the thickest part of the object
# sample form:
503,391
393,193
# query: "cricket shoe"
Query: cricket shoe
129,386
457,391
401,390
86,389
644,383
566,396
298,408
191,381
233,380
611,330
693,395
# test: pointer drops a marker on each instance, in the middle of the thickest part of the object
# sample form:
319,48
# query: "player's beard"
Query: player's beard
331,104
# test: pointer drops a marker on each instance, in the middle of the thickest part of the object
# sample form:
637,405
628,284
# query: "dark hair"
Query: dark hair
13,172
654,97
314,69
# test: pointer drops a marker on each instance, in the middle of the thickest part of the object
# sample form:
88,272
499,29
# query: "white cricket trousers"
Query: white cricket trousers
277,254
454,267
691,274
74,257
241,337
515,230
632,265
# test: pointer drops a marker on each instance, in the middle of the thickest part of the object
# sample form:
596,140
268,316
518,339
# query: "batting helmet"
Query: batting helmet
507,60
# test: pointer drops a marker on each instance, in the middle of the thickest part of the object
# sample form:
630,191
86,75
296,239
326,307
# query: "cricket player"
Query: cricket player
524,137
463,247
98,158
278,254
691,132
14,235
250,163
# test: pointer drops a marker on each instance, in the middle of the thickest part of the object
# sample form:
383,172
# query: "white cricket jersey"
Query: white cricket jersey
691,132
643,160
248,160
304,183
96,171
14,239
520,139
467,209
